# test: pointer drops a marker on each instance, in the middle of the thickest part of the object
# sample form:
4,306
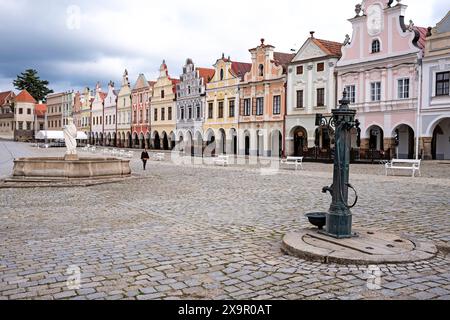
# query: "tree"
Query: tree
30,81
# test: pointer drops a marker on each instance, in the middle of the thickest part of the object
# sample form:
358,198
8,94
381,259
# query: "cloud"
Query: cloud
75,43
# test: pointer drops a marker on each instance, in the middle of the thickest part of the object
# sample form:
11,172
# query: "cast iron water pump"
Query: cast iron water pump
339,217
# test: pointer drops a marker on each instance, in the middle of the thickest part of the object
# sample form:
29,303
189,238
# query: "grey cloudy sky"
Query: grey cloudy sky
75,43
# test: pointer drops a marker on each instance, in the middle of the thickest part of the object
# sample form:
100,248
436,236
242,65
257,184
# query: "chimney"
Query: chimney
312,33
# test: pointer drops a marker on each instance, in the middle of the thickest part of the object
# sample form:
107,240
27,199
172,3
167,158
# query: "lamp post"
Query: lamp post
339,217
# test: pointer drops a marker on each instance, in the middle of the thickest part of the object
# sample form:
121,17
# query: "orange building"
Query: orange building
263,103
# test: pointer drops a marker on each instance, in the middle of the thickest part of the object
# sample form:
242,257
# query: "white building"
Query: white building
311,89
97,116
110,115
435,109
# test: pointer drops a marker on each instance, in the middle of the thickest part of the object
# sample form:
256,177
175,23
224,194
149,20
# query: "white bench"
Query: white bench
403,164
223,160
294,161
129,154
159,156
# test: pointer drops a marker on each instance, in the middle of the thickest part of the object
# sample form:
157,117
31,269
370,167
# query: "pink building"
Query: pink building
379,69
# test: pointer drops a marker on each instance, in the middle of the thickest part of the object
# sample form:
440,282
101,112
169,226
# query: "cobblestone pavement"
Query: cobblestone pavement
204,232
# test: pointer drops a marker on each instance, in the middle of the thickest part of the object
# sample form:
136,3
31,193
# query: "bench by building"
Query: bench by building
403,164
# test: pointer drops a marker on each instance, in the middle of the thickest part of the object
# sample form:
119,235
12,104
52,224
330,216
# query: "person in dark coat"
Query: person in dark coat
145,157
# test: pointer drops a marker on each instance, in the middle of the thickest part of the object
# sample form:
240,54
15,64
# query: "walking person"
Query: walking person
145,157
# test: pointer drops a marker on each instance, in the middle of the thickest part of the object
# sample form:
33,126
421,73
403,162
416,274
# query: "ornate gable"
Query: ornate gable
309,50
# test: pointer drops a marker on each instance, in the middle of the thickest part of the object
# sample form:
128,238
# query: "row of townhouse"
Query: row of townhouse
396,76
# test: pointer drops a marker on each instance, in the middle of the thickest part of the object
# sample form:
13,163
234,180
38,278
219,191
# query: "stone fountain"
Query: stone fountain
68,170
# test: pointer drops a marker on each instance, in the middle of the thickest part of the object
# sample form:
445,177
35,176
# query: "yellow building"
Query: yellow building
163,115
222,105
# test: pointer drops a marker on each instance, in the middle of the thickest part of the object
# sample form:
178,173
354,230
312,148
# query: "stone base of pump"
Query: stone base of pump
369,247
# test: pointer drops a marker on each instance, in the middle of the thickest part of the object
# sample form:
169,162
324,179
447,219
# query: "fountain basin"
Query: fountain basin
318,219
61,168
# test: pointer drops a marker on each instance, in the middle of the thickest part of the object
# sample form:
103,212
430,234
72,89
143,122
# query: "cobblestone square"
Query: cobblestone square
205,232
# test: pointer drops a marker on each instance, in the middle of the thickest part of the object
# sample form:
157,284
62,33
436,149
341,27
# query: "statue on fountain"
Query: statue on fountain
70,137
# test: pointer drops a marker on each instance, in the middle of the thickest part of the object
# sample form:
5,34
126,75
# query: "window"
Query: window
41,126
28,125
300,99
261,70
351,93
134,117
199,112
376,46
20,125
403,88
210,110
300,70
169,116
163,114
231,108
28,111
247,107
442,83
140,98
221,110
221,74
375,91
321,97
162,94
189,89
114,119
320,67
124,102
20,111
259,106
277,105
141,116
156,115
190,112
182,113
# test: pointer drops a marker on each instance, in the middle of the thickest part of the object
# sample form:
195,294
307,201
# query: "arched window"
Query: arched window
261,70
221,74
376,46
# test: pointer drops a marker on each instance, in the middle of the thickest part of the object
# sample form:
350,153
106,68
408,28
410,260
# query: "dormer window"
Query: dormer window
221,74
162,94
376,46
261,70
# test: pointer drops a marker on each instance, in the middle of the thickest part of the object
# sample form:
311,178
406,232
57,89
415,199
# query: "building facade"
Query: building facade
222,105
86,114
24,116
110,116
140,99
263,103
435,107
379,69
311,90
7,115
55,103
190,105
124,109
98,113
163,111
67,107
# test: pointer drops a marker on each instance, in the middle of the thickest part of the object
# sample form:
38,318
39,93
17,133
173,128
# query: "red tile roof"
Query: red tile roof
174,81
4,96
40,109
329,47
206,74
283,59
25,97
239,69
422,37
